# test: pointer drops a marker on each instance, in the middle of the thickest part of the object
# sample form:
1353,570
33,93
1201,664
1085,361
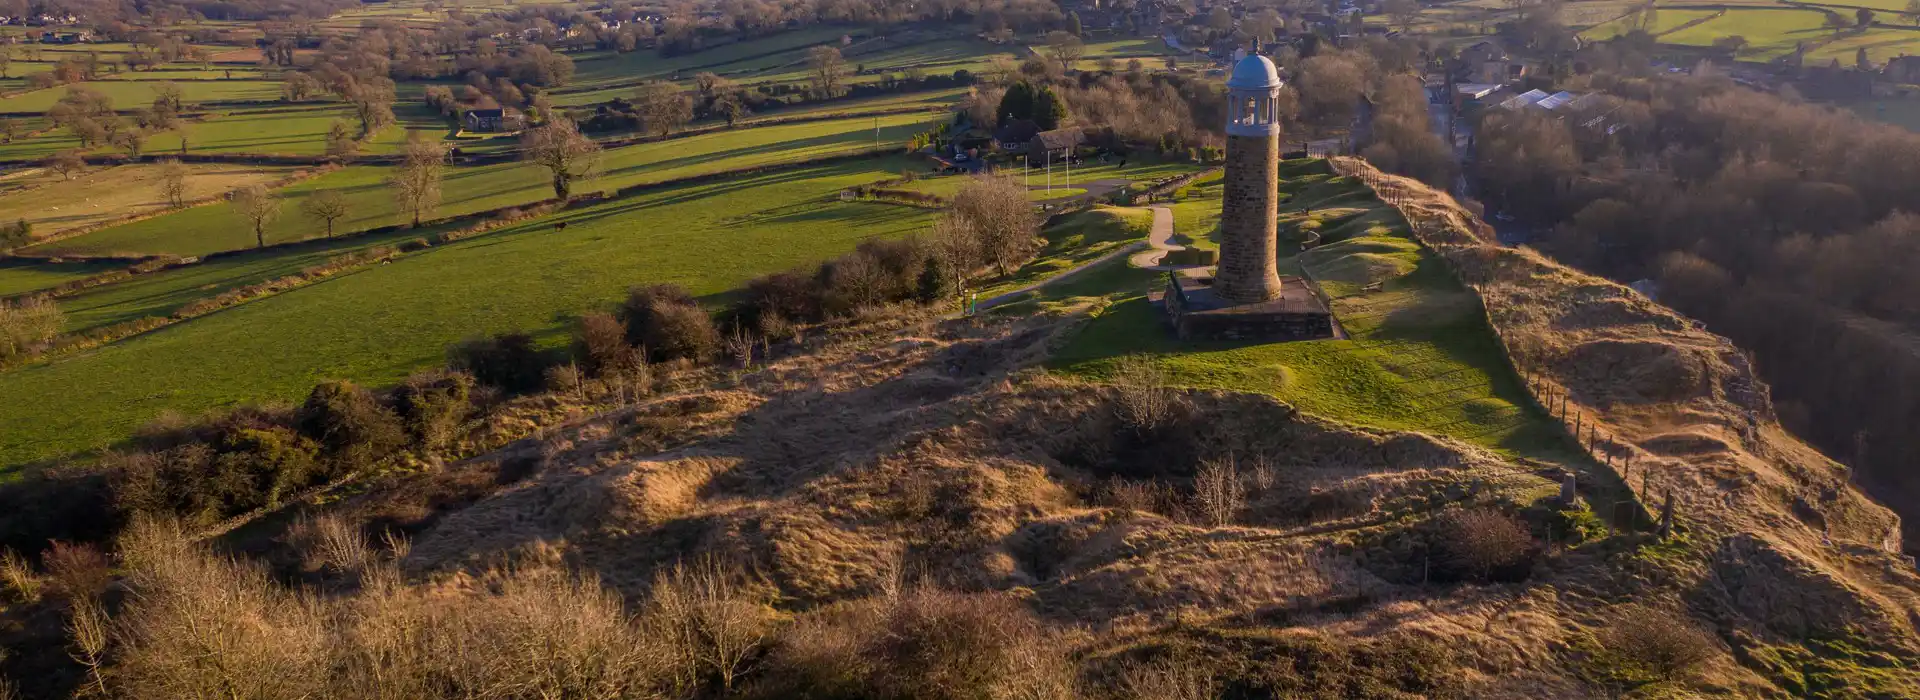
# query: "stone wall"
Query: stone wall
1248,269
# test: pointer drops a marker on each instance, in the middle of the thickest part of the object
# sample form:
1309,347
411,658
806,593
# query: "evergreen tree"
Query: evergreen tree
1073,23
1048,109
1017,104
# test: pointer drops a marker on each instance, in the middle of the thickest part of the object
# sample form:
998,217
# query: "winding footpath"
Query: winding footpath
1159,242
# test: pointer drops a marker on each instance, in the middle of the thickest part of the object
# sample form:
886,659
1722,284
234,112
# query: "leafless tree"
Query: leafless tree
416,184
1065,48
259,207
827,70
662,106
173,182
65,162
997,211
326,206
1217,492
567,155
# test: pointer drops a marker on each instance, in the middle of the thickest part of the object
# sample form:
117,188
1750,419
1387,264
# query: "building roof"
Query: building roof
485,113
1017,131
1254,73
1474,91
1554,101
1058,139
1524,99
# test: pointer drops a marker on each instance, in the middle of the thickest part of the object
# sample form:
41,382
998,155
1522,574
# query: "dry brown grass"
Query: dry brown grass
18,575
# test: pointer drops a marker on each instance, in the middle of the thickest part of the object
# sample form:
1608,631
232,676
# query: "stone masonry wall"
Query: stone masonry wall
1248,270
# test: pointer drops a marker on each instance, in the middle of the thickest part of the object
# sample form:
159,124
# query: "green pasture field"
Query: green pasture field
1769,33
379,323
629,68
1881,44
162,293
293,129
1126,48
1663,21
1419,356
215,227
194,74
19,276
135,94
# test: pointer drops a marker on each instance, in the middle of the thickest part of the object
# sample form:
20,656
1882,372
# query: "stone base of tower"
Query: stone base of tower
1197,313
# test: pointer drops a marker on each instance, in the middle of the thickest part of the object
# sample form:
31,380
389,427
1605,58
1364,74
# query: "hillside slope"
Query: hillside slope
1792,550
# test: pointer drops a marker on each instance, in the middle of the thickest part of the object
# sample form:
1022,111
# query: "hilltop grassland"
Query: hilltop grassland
1418,356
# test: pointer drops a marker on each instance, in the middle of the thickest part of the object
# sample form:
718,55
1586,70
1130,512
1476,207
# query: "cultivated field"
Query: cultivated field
379,323
132,94
55,205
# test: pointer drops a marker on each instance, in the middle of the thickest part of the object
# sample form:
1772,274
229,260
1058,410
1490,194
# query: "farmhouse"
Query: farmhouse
488,121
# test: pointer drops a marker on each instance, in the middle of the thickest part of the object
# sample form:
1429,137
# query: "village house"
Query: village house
493,121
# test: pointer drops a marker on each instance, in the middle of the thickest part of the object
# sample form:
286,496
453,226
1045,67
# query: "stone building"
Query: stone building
1245,297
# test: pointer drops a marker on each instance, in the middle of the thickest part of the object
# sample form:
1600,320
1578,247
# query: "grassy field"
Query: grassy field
133,94
382,322
1663,21
1420,356
1881,44
1080,237
632,67
1770,33
216,227
21,276
103,194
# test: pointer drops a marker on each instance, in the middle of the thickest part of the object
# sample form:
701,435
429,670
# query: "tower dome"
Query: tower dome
1254,72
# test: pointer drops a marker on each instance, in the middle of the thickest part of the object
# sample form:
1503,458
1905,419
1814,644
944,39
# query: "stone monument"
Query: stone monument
1245,298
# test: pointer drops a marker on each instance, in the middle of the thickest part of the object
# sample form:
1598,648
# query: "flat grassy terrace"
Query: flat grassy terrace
379,323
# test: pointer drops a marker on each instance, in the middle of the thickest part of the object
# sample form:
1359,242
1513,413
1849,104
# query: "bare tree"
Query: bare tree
730,105
1403,12
65,162
326,206
702,612
997,210
662,107
133,141
1065,48
340,141
1217,492
416,185
173,182
259,207
827,70
567,155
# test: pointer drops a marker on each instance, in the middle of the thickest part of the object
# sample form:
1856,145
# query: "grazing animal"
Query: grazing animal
560,226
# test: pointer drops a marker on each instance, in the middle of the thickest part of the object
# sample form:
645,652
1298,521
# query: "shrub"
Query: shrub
68,503
432,405
414,244
1217,492
27,326
666,321
602,341
19,576
77,571
788,295
709,620
1145,401
508,362
1482,544
564,379
1644,644
351,426
924,644
932,286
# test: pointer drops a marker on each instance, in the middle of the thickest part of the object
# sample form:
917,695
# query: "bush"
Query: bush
27,326
666,321
432,405
77,571
788,295
1644,645
1145,401
924,644
414,244
71,504
1483,544
351,426
508,362
601,340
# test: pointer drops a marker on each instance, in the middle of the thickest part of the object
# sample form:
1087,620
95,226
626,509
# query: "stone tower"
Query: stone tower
1248,271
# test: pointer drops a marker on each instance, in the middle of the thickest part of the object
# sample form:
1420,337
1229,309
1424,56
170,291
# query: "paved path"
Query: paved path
1015,295
1160,238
